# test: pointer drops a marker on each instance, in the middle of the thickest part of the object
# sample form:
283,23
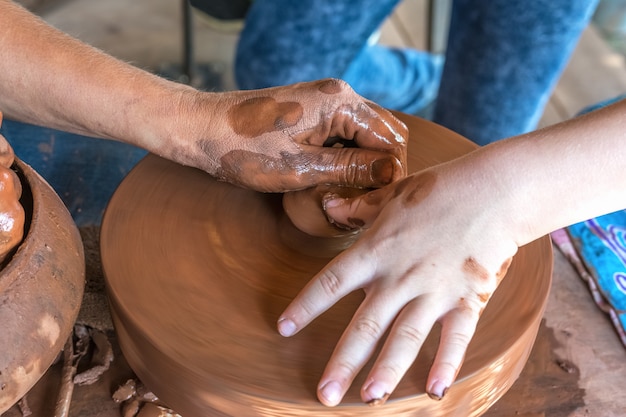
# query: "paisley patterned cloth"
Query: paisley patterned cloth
597,249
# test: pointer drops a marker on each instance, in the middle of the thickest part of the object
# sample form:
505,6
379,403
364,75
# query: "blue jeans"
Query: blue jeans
502,60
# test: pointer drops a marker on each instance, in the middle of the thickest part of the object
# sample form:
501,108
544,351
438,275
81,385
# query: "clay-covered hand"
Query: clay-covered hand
280,139
11,211
268,140
434,250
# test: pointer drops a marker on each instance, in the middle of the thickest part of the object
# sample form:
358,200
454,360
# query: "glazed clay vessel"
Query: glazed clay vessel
41,288
198,271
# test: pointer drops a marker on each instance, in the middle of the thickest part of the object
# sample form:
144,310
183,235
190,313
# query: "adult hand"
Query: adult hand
280,139
274,139
435,249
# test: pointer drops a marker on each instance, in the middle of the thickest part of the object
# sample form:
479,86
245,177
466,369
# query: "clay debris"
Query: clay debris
138,401
85,342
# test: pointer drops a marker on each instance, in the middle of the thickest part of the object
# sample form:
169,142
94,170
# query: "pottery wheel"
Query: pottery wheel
198,272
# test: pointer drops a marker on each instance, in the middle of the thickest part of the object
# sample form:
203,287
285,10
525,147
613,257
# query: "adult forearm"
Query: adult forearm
49,78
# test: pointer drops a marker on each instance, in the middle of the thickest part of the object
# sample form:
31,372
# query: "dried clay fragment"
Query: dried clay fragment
24,407
144,394
125,392
100,361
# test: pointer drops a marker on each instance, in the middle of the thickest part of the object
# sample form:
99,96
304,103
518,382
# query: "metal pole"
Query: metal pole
188,43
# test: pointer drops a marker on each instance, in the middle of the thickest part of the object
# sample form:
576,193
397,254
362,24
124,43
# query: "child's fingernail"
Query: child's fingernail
332,200
286,327
437,390
377,394
331,391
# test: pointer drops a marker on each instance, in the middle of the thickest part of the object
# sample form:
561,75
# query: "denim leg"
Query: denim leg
503,59
396,78
285,41
601,104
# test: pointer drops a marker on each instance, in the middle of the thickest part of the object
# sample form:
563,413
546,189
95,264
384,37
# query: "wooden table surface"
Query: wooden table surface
578,364
575,369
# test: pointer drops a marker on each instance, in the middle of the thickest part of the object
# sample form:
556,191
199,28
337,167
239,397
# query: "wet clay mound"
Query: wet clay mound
198,271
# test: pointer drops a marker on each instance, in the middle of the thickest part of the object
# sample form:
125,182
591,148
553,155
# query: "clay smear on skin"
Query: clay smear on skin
330,87
420,187
333,86
254,117
472,267
378,401
394,124
503,269
363,113
268,172
265,171
464,305
385,122
484,297
436,397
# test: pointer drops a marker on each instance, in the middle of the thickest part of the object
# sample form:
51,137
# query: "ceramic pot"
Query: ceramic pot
41,289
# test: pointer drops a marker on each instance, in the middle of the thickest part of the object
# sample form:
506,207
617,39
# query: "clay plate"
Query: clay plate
198,272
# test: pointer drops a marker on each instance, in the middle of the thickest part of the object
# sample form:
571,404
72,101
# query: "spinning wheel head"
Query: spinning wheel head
198,272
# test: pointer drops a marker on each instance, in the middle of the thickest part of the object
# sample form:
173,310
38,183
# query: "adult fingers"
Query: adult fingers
312,166
351,167
376,128
337,111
